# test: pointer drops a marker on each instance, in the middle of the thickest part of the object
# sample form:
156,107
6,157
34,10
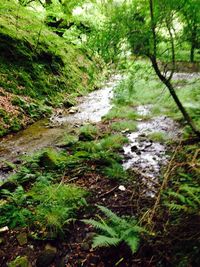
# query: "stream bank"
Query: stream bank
88,164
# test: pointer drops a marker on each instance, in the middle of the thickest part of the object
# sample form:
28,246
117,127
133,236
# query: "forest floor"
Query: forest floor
125,161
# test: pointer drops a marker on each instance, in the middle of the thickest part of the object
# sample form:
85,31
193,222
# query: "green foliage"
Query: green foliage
56,204
88,132
57,67
121,112
115,172
45,207
113,142
50,159
67,140
19,262
160,137
185,199
116,230
124,125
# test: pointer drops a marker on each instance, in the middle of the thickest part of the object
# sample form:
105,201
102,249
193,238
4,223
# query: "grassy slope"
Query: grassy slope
37,68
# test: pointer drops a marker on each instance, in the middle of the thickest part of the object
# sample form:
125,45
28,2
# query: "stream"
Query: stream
46,133
141,154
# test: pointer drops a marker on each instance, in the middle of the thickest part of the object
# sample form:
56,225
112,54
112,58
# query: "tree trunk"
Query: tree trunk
192,53
174,96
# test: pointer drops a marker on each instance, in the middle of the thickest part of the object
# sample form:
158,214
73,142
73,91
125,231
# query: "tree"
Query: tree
191,18
151,26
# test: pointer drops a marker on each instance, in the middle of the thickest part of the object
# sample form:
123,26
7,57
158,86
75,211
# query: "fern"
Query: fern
116,230
186,199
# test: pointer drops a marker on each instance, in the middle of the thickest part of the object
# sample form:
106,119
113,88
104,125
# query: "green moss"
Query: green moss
37,63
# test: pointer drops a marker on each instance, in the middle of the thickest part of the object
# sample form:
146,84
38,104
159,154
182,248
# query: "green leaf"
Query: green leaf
105,241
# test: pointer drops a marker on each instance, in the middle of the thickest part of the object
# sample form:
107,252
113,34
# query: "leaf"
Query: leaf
105,241
111,215
102,226
133,243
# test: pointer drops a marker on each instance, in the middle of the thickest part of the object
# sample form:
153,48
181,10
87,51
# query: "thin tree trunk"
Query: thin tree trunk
174,96
192,53
164,79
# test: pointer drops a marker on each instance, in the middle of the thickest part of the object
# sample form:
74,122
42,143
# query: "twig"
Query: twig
108,192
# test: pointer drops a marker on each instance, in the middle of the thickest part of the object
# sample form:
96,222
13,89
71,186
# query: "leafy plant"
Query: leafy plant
116,230
116,172
88,132
185,199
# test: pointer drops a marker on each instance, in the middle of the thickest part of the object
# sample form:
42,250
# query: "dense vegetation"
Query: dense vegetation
74,203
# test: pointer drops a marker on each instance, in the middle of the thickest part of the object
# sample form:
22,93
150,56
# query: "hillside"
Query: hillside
38,69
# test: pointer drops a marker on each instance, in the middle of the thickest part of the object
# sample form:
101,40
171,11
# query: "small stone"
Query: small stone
22,239
73,110
122,188
4,229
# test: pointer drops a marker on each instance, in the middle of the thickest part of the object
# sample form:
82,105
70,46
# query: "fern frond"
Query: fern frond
133,242
105,241
111,215
102,226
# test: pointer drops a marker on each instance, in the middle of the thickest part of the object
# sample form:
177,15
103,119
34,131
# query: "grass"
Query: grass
124,125
116,172
121,112
158,137
88,132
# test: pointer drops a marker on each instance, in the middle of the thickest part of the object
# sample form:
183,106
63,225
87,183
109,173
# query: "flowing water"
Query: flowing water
141,154
46,133
145,156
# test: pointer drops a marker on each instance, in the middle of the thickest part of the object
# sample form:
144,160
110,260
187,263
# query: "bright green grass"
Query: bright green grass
124,125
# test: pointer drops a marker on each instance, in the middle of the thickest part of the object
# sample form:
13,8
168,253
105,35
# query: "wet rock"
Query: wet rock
22,239
45,258
134,148
20,262
73,110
